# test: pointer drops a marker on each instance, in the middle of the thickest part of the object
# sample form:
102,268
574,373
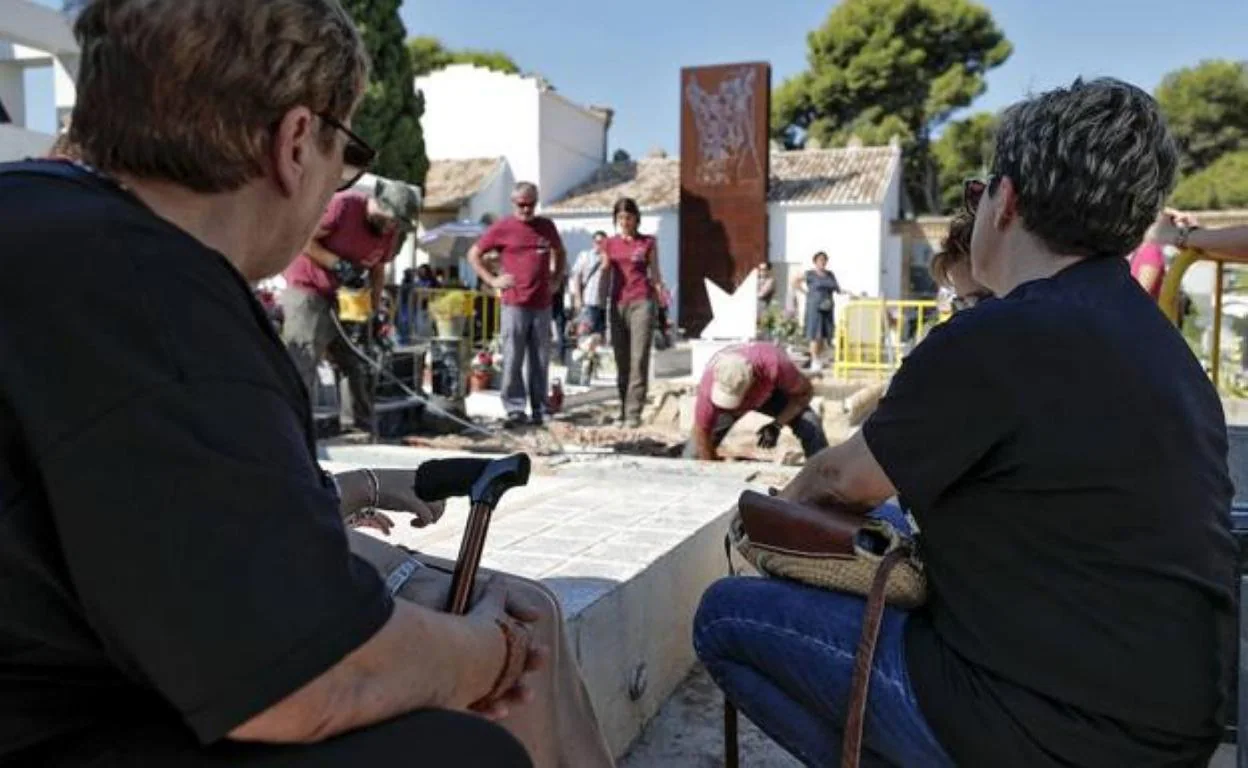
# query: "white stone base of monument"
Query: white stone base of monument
703,350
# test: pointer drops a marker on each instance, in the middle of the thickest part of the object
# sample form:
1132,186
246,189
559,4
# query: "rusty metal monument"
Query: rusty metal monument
724,169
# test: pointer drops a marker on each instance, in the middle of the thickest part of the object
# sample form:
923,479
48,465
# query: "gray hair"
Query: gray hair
1092,164
524,189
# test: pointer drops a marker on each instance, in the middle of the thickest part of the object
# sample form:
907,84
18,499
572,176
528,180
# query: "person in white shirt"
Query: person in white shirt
584,284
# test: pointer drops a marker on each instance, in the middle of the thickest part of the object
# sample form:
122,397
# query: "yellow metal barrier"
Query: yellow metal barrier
430,312
873,335
1170,297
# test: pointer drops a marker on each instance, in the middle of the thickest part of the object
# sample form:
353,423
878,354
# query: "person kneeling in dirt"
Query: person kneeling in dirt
555,720
757,376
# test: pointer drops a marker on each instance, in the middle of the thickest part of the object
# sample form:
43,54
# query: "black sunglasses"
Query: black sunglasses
357,155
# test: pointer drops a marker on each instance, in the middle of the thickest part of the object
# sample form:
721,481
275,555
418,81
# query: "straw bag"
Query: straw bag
829,549
838,549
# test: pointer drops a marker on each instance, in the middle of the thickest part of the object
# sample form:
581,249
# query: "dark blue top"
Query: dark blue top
820,288
1064,455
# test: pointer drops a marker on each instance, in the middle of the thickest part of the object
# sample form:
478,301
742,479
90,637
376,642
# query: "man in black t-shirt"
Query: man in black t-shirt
1064,455
176,586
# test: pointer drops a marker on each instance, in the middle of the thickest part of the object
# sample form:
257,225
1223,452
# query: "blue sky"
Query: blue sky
628,55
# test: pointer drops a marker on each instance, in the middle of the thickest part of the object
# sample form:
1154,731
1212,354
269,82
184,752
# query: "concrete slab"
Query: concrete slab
627,543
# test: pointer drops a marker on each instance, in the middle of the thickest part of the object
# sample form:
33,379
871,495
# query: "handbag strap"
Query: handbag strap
873,617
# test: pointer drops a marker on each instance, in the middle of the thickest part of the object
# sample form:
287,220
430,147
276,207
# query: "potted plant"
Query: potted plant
482,372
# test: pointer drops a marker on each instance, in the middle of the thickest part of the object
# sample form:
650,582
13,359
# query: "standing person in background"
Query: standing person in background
532,261
585,286
358,235
405,317
766,286
1148,267
631,260
559,308
818,285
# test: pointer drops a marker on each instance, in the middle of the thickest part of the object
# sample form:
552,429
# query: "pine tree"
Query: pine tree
389,117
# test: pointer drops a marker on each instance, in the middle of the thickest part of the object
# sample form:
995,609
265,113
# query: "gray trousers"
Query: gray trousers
631,327
526,343
309,333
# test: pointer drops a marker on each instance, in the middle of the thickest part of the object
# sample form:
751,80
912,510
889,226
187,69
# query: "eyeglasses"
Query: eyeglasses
524,205
357,155
972,193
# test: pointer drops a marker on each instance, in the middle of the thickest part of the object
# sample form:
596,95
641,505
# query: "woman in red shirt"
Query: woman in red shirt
631,262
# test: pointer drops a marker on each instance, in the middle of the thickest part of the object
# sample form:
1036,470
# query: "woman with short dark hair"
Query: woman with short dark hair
631,260
819,285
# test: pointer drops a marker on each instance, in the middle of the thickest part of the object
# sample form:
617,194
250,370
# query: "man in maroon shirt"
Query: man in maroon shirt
531,260
357,237
757,376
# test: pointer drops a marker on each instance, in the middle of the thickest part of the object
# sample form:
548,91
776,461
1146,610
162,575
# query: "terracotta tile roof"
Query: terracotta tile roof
847,176
850,176
450,183
654,182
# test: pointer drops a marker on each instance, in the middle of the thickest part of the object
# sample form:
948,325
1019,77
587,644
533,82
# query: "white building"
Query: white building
33,37
842,201
472,113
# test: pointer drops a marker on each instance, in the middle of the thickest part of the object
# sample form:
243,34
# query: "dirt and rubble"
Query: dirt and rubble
593,427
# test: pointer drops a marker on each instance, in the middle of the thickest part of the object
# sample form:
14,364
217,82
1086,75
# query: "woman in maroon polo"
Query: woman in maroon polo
631,260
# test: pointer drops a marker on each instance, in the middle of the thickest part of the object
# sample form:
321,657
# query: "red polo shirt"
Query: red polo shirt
630,274
773,370
525,249
349,236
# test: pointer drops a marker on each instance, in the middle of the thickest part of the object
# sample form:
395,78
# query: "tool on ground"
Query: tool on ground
484,482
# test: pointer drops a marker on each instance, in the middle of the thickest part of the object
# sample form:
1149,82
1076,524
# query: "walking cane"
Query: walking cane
484,482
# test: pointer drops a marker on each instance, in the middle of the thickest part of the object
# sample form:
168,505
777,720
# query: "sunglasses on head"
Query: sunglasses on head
357,155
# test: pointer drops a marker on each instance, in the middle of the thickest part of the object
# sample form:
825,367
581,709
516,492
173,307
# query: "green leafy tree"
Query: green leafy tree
963,150
428,54
1206,107
880,69
1224,184
389,116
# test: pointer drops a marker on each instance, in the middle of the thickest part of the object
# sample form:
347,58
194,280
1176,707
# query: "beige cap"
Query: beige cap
733,376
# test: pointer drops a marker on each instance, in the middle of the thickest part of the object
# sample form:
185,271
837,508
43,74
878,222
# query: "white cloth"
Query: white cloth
587,268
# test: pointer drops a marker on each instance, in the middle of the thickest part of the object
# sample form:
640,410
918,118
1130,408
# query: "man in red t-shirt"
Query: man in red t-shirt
757,376
531,260
358,235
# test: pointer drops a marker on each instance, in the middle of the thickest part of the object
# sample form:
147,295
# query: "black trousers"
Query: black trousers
418,739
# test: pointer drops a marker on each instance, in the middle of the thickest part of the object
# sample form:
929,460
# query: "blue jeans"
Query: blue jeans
783,653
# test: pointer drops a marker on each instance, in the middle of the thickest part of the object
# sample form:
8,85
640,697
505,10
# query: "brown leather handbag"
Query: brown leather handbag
838,548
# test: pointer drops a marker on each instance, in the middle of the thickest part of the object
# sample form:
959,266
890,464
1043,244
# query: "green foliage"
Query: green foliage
428,54
1206,107
885,68
777,325
964,150
621,156
1224,184
389,117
